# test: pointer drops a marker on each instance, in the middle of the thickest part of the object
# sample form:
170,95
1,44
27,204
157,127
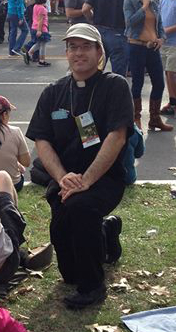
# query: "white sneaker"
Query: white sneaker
17,52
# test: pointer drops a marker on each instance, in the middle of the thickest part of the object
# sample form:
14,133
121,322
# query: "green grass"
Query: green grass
142,209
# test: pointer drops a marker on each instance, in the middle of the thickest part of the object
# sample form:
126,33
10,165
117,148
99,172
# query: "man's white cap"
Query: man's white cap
88,32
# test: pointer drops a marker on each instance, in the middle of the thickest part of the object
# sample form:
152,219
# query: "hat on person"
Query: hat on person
88,32
5,105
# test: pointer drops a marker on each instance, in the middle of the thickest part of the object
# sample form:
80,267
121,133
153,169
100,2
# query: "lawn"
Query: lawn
144,278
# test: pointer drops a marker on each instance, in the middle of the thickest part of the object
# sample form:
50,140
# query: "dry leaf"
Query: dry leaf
103,328
38,274
172,168
24,290
22,316
126,311
143,286
157,290
122,286
160,274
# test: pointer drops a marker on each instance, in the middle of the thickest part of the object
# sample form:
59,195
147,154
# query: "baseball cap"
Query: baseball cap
88,32
5,105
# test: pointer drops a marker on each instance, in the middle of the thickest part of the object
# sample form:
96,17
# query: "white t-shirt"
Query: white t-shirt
13,145
6,246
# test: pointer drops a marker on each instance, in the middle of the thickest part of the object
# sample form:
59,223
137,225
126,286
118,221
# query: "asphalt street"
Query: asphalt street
23,84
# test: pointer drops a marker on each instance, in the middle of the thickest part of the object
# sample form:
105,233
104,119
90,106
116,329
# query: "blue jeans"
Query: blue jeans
141,57
115,45
14,25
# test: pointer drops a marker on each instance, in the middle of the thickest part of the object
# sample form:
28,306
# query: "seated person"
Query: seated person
12,225
135,149
14,152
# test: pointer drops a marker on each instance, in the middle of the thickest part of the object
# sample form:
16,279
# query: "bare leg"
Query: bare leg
6,185
171,83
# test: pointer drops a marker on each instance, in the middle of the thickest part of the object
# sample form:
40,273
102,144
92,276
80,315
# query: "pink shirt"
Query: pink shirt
40,10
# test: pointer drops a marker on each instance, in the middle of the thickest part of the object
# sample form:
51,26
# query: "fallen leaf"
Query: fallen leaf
160,274
143,286
38,274
123,285
22,316
126,311
158,290
172,168
24,290
103,328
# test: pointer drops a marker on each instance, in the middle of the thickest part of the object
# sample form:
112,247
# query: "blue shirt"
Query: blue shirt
168,15
16,7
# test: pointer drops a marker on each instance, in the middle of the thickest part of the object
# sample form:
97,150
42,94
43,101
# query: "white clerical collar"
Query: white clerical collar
81,84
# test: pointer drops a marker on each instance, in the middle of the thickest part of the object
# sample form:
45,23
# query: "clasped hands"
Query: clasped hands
71,183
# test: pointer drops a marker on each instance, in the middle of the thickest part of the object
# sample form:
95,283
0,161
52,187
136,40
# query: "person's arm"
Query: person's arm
105,158
72,12
25,159
170,29
132,15
40,24
87,11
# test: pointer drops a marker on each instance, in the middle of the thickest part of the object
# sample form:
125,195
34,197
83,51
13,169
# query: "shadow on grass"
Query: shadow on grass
52,315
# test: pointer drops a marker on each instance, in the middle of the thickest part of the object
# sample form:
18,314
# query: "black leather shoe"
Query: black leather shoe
82,300
113,227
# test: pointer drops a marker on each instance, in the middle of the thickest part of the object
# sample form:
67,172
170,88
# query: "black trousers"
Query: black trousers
14,226
76,230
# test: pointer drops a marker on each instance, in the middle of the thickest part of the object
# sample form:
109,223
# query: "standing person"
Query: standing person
15,14
168,52
14,152
3,14
80,136
145,36
108,18
39,32
73,10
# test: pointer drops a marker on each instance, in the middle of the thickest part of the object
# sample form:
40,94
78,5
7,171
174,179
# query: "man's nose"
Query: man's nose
79,50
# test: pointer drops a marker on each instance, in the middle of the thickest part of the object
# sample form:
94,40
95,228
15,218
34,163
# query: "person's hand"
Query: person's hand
67,193
20,22
158,43
145,4
38,34
21,168
70,181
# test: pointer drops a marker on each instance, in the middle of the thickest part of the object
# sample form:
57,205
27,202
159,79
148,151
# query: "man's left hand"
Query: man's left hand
66,193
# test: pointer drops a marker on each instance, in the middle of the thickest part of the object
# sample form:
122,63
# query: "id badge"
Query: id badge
87,129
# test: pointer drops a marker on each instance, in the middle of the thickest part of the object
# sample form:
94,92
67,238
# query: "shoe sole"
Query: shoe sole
40,257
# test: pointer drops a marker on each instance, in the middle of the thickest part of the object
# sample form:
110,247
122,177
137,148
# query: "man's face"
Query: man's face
83,56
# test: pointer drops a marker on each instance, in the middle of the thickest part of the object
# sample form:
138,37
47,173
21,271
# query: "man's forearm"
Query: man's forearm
50,160
72,13
105,158
170,29
87,11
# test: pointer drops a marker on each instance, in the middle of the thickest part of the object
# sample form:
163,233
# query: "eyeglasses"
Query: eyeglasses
84,48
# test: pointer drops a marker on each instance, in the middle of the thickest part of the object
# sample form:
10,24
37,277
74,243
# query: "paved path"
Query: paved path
23,84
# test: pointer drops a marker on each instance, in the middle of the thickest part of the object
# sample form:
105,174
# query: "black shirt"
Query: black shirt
52,120
76,4
108,13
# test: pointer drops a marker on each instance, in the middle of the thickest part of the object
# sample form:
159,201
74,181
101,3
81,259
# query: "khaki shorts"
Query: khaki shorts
168,56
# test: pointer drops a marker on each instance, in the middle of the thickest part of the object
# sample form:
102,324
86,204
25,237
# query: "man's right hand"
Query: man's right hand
20,22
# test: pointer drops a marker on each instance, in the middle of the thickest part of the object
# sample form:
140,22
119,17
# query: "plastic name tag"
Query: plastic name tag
87,129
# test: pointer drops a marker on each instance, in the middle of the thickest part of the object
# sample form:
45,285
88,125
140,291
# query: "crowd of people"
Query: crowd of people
90,142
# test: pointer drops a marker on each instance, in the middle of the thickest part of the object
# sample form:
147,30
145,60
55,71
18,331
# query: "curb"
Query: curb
138,182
